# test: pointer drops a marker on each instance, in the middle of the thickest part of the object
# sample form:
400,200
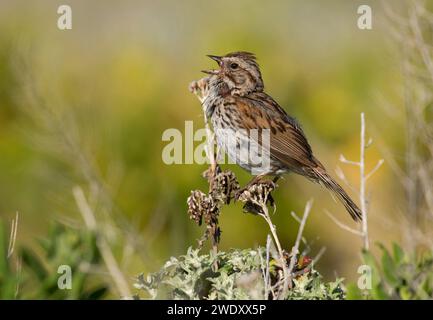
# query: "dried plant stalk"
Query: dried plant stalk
363,177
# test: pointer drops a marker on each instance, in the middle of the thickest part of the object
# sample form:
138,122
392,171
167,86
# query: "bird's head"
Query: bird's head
240,71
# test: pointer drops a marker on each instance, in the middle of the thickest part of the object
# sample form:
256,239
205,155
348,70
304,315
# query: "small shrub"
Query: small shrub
239,276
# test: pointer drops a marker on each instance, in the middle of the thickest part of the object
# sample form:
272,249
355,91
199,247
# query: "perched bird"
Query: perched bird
237,105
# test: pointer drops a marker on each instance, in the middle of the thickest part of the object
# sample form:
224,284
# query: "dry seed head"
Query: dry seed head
198,205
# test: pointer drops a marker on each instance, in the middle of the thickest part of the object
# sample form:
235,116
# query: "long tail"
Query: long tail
319,174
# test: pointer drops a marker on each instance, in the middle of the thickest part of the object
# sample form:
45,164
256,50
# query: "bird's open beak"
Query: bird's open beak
212,72
216,58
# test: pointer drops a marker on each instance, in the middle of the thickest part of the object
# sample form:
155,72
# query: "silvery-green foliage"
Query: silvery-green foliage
312,287
240,276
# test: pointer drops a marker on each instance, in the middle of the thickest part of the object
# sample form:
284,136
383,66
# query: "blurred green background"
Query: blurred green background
120,77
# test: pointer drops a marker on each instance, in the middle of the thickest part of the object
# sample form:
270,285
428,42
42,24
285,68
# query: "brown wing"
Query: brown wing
288,142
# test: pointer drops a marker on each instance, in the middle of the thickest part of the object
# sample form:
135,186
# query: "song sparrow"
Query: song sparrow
236,104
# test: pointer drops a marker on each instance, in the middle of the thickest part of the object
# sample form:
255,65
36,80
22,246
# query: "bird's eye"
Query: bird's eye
234,65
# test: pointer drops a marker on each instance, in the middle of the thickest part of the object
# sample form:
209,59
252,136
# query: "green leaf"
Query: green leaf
353,292
405,294
389,268
34,264
379,293
97,293
369,260
398,253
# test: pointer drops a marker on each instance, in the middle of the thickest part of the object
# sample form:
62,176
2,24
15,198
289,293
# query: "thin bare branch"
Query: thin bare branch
339,172
362,185
295,216
344,160
295,248
378,165
84,208
319,255
277,242
265,269
342,225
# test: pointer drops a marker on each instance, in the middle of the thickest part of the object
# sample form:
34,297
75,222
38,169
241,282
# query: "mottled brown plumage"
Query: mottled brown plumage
237,106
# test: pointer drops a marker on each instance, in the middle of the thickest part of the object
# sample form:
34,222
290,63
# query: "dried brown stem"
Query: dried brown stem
199,88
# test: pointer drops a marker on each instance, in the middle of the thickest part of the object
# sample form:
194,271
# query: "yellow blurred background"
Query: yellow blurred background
120,77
